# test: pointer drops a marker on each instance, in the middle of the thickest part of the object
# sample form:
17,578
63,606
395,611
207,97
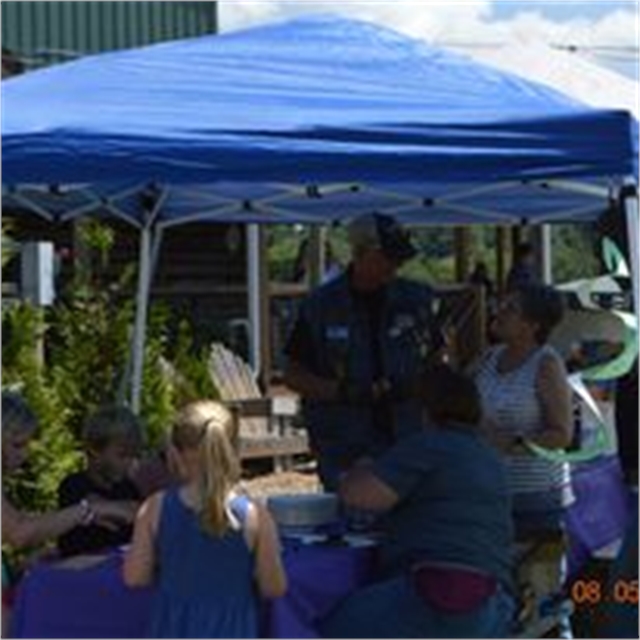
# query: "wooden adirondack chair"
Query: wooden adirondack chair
265,422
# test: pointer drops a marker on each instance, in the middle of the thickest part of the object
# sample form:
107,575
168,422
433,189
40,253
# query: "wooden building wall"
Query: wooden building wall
200,274
197,274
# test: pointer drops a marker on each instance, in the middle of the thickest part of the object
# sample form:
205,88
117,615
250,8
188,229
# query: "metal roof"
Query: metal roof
44,32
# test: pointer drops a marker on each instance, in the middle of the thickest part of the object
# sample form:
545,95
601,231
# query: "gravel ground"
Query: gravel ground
283,482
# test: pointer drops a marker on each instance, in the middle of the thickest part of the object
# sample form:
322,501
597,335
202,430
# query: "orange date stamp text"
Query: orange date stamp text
593,592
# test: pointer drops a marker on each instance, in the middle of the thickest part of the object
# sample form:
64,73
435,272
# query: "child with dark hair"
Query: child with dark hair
112,438
22,529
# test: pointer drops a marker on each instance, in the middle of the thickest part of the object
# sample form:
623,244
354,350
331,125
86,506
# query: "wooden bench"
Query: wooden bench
266,429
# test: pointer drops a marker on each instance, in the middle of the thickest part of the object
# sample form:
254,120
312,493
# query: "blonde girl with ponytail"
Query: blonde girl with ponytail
206,547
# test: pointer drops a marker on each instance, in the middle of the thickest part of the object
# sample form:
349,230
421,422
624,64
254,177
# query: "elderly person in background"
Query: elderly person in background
357,348
446,553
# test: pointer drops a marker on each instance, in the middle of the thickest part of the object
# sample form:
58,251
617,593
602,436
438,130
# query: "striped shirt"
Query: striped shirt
510,401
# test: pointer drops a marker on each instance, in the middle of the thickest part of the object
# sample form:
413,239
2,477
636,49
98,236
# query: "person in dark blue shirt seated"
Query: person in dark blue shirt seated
446,553
112,439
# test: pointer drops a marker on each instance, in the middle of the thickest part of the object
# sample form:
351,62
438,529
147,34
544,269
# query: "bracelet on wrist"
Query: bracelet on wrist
87,514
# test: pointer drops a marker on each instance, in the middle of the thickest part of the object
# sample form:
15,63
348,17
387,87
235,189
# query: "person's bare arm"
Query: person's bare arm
6,621
20,529
361,489
121,511
309,385
269,571
554,394
139,563
127,509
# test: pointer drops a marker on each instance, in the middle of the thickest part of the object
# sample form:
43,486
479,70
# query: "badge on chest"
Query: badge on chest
402,324
336,332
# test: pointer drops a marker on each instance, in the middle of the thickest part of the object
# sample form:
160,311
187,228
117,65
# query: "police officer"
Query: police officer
357,348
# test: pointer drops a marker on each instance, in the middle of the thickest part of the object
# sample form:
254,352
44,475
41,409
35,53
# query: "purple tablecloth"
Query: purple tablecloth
93,603
89,603
601,511
54,602
319,578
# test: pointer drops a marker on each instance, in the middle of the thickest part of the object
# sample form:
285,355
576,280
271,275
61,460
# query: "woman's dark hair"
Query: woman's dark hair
449,396
541,305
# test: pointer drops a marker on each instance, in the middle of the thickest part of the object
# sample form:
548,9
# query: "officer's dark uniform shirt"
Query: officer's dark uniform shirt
342,334
300,348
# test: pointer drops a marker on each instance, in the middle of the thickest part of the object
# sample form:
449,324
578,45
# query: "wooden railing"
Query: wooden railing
461,315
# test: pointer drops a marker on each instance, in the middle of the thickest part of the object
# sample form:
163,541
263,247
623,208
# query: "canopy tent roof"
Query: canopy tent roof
569,73
309,120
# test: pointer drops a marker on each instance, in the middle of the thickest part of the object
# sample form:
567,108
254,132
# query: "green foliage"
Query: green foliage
573,253
196,380
54,453
88,350
430,270
85,363
433,264
157,397
434,242
8,245
283,244
95,241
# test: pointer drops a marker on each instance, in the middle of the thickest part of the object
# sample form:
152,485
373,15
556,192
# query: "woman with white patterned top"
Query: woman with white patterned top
526,398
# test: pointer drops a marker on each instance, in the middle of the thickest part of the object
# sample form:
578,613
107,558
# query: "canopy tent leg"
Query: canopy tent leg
316,256
140,326
152,200
546,253
501,250
264,287
629,198
259,305
253,291
155,250
462,243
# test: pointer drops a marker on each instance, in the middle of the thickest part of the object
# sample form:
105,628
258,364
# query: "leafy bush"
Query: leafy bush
85,362
54,454
8,245
193,366
573,252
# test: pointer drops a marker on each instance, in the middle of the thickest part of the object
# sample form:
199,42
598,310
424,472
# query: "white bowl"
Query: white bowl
303,509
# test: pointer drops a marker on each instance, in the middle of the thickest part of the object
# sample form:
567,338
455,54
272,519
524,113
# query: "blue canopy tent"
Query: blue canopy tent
311,120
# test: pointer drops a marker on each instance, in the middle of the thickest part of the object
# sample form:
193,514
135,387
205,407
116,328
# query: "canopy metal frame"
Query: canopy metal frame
274,208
